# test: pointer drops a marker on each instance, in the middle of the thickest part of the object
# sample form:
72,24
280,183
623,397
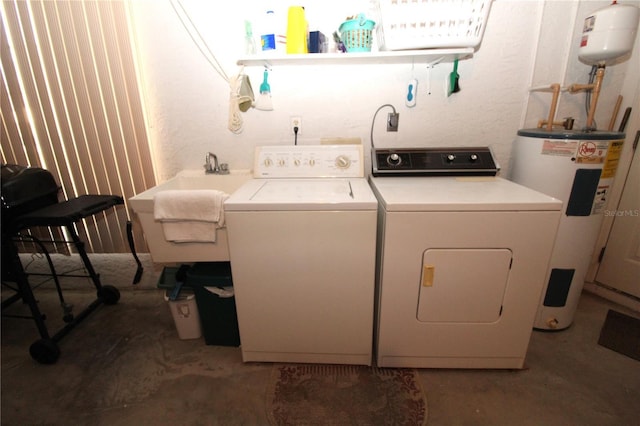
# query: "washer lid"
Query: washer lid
458,194
303,194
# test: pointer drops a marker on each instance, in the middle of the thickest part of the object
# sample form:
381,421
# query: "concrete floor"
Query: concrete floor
124,365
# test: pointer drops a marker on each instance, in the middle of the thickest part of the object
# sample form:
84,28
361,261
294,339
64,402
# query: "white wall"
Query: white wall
526,43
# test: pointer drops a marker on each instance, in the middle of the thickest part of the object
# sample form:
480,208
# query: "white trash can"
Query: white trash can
185,315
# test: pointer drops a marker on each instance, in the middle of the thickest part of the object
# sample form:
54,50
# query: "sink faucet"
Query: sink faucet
217,169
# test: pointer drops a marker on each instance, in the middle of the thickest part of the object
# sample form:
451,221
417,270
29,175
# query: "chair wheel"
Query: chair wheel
44,351
109,295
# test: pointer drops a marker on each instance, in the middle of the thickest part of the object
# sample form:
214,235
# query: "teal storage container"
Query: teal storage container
357,34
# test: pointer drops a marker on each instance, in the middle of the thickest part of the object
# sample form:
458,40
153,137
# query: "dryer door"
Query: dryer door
463,285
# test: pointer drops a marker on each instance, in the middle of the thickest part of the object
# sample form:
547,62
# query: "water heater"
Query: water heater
608,33
579,169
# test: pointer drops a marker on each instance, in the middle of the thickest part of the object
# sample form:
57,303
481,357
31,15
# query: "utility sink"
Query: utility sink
163,251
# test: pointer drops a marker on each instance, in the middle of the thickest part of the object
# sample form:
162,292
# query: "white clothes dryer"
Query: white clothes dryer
462,256
302,242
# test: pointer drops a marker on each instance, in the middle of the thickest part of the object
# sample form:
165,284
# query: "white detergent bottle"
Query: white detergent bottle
268,32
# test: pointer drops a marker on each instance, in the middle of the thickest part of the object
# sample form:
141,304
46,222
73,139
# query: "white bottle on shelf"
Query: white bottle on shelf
268,32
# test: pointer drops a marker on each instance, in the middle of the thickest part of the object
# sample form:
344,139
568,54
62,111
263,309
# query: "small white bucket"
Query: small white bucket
185,315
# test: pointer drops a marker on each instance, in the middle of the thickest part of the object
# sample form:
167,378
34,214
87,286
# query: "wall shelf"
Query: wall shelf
395,57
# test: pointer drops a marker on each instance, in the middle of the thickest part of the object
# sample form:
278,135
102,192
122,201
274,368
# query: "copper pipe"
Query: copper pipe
575,88
614,116
595,93
542,123
567,123
554,103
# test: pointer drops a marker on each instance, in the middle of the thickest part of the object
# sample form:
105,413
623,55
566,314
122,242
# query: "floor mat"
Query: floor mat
313,394
621,333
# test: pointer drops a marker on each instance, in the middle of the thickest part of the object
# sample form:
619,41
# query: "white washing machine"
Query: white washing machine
462,256
302,242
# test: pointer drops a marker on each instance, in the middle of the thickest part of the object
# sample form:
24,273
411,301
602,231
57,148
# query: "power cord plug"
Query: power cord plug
395,114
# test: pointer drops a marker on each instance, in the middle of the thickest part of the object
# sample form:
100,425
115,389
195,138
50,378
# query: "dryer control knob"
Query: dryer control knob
394,159
450,158
473,158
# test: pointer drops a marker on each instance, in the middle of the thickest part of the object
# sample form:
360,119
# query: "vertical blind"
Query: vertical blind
71,104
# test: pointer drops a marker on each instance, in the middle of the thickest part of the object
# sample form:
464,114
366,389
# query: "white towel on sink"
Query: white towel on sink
190,215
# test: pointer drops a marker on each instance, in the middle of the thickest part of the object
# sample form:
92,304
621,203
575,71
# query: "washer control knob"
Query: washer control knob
394,159
450,158
473,158
296,162
312,162
268,162
343,162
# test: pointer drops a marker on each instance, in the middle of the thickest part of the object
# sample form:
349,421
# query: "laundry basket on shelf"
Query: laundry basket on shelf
357,34
425,24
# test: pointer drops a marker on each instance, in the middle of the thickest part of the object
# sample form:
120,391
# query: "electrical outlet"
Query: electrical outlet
296,121
392,121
